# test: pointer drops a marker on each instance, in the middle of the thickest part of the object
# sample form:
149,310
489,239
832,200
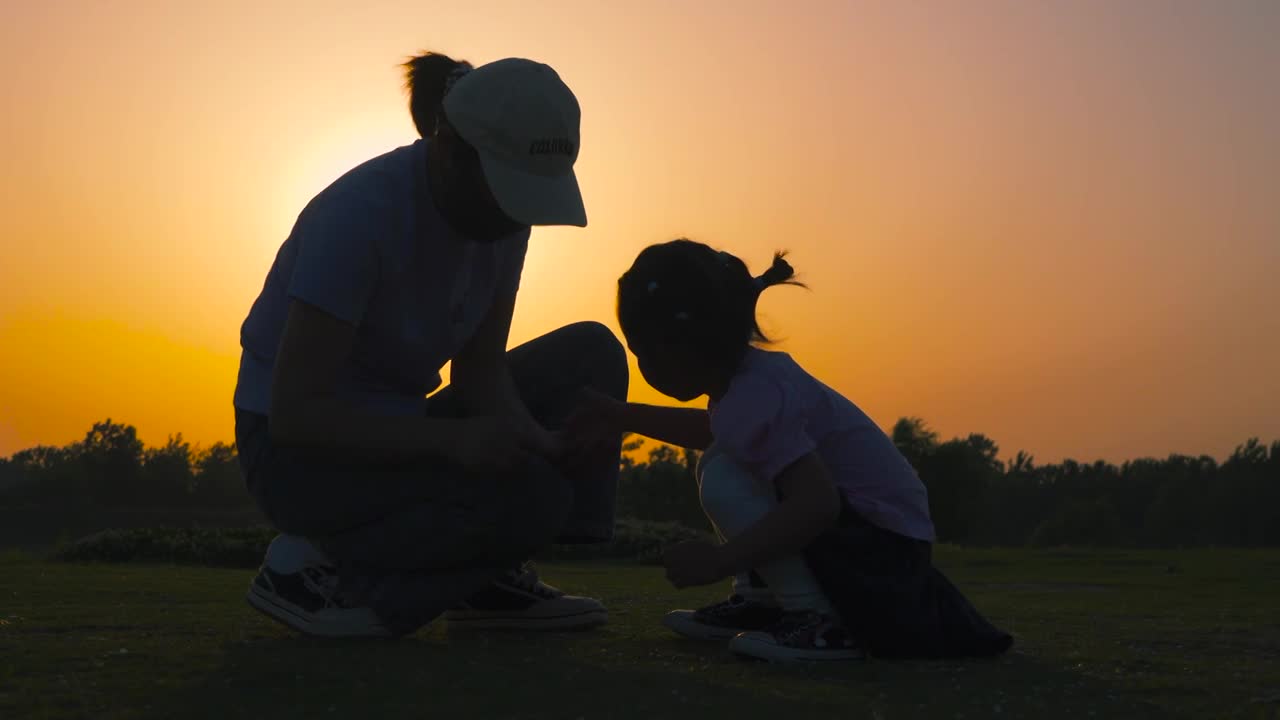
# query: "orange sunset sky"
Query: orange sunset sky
1054,223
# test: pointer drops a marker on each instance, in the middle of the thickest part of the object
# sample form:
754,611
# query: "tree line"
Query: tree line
110,468
975,497
978,499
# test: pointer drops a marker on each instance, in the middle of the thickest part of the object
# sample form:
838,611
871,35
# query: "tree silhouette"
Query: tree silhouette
111,456
914,439
167,477
218,482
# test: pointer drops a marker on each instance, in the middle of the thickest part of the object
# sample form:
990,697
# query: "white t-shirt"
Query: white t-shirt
775,413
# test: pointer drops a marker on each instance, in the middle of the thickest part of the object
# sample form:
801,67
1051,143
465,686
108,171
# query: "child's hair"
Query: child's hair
688,292
427,78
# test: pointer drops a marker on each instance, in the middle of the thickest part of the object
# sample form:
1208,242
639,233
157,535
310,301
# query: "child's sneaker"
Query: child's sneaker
804,635
725,619
306,601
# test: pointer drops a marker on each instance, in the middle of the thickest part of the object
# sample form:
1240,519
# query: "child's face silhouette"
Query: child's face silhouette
671,368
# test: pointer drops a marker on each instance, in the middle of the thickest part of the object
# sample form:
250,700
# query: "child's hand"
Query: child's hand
694,562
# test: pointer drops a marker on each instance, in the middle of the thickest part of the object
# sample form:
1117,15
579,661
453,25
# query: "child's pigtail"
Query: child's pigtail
779,273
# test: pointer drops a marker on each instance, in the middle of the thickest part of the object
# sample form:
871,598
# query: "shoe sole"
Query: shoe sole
576,621
753,649
296,618
686,626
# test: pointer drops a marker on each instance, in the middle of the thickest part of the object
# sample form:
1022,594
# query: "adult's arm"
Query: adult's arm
307,411
480,373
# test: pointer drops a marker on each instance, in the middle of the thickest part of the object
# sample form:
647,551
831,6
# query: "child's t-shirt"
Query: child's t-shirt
775,413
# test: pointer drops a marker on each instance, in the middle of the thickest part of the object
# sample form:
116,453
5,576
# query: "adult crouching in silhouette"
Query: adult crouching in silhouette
397,505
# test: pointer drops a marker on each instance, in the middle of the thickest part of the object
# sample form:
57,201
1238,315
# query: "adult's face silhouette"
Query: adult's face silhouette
460,190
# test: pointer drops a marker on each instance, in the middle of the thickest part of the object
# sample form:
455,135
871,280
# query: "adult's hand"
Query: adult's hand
492,443
596,421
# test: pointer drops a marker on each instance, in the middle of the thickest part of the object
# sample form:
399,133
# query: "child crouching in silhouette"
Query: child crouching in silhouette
824,525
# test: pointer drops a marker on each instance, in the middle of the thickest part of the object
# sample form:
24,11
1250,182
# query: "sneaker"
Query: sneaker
520,601
306,602
803,635
725,619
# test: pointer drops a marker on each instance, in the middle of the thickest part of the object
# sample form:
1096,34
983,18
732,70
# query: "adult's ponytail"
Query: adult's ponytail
427,77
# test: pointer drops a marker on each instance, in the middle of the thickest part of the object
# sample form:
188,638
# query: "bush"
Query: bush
244,547
665,489
218,547
633,539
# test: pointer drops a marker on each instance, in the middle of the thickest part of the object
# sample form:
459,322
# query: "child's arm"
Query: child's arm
599,416
682,427
810,505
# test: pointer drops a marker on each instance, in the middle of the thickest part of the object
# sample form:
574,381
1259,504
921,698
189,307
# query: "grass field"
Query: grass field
1109,634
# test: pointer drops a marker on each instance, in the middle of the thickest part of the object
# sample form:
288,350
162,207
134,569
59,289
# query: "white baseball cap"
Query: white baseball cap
524,122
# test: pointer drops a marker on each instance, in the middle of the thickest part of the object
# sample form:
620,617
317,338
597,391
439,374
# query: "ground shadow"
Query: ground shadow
603,675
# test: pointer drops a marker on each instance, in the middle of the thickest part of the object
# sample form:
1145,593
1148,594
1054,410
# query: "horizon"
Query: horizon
1051,225
645,446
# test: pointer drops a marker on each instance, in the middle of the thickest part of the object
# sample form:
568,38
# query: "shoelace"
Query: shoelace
793,625
726,606
323,581
733,604
528,581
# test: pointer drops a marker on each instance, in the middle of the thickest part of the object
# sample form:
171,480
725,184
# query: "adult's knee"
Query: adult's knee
603,354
